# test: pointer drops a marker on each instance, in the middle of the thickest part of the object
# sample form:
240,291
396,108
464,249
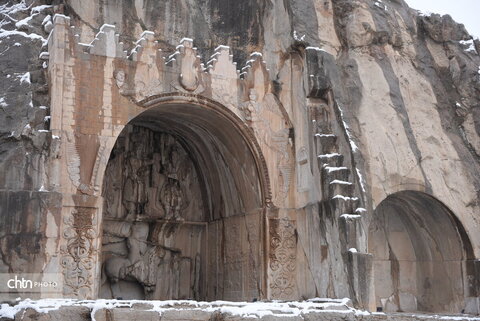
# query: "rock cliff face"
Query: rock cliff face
373,109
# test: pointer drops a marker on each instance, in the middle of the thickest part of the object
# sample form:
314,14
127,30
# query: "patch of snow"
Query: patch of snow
43,130
337,181
8,76
352,250
457,104
329,155
24,22
345,198
314,48
55,137
331,169
27,126
33,36
360,179
381,5
222,47
13,9
296,37
46,19
17,44
469,44
44,55
350,216
39,9
25,78
245,309
325,135
42,189
2,102
353,145
43,107
424,13
46,118
360,210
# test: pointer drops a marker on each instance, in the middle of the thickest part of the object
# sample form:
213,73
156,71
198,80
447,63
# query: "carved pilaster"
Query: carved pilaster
282,259
78,252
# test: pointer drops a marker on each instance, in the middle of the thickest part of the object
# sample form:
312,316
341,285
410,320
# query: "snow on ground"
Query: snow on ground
253,310
245,309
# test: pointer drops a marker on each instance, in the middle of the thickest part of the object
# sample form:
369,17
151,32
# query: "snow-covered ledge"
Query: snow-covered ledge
107,310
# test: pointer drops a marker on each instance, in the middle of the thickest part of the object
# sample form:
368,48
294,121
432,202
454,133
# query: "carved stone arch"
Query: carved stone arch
144,233
228,115
423,257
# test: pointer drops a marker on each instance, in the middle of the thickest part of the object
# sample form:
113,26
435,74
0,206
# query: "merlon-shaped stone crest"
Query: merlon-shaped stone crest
107,43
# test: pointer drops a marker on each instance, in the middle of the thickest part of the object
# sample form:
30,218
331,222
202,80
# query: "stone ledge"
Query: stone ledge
117,310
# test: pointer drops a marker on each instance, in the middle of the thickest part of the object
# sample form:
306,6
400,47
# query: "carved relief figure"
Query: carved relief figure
121,82
188,77
145,198
281,144
251,107
173,199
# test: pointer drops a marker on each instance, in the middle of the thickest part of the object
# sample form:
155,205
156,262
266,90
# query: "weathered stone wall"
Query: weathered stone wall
349,102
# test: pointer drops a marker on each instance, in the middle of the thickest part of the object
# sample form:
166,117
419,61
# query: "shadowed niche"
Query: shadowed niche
183,209
422,255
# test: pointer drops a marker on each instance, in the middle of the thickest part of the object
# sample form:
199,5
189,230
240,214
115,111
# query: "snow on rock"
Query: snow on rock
381,5
296,37
244,309
24,22
33,36
337,181
353,145
331,169
40,8
6,10
350,216
345,198
25,78
315,48
361,180
468,45
2,102
329,155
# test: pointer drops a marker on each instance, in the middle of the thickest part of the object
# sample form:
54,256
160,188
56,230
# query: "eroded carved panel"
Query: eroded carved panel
78,253
154,229
282,259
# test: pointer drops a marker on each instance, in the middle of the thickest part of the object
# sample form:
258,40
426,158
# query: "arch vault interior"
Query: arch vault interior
421,255
183,210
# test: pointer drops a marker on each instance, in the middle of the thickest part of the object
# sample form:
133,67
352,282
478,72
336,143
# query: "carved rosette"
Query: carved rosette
78,252
282,258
